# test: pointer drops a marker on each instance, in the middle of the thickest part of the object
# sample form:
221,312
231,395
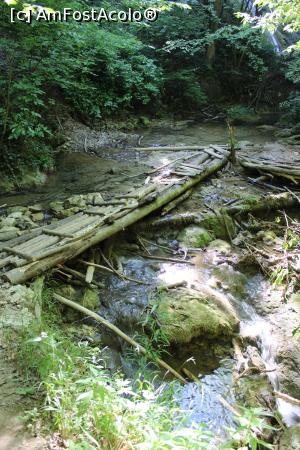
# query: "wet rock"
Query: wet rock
111,359
294,302
90,299
93,198
290,439
223,227
17,215
255,391
36,208
67,212
268,237
17,307
37,217
14,209
187,313
25,223
7,233
8,222
56,206
76,200
220,246
232,281
255,358
285,132
195,236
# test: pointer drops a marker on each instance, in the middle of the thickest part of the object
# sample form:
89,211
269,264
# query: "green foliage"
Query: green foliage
251,424
93,70
291,108
193,53
90,407
238,112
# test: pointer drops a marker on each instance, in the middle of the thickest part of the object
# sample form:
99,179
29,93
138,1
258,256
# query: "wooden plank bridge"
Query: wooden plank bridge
43,248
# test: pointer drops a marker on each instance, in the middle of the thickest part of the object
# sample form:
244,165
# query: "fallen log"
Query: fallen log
74,248
168,148
287,398
176,202
120,333
266,203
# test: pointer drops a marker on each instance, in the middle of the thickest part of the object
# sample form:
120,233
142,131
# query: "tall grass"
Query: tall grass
94,409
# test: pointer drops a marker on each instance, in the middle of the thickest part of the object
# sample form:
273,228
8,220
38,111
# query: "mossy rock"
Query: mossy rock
220,226
90,299
290,439
186,314
195,236
56,206
220,246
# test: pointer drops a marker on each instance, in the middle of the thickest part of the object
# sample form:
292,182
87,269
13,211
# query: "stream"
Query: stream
124,303
211,361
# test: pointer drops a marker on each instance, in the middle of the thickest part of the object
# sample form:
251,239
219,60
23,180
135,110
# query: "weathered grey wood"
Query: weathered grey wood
176,202
36,232
41,245
79,275
169,148
220,148
270,167
18,253
74,248
90,270
213,154
56,233
138,194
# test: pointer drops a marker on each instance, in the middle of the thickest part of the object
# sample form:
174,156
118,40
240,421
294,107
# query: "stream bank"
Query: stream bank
267,323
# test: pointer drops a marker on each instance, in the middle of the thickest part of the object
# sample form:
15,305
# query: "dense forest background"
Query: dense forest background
198,56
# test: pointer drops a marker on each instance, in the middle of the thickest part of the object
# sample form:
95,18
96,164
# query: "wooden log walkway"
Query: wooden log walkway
289,170
44,248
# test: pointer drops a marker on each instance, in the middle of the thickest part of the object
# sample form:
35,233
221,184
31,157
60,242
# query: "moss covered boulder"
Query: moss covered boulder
195,236
186,313
221,226
90,299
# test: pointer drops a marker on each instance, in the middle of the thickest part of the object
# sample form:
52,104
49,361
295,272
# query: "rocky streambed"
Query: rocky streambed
199,286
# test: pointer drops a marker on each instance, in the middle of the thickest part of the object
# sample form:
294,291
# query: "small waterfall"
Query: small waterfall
260,329
274,41
252,10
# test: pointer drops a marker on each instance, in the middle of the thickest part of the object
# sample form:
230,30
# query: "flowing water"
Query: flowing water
78,173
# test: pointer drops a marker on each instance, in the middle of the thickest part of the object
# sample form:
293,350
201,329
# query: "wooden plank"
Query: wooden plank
90,270
34,233
6,261
57,233
18,253
140,193
211,153
74,248
190,166
220,148
174,148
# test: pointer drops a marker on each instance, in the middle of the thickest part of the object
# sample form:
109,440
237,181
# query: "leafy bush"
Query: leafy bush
291,109
92,408
239,112
183,91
